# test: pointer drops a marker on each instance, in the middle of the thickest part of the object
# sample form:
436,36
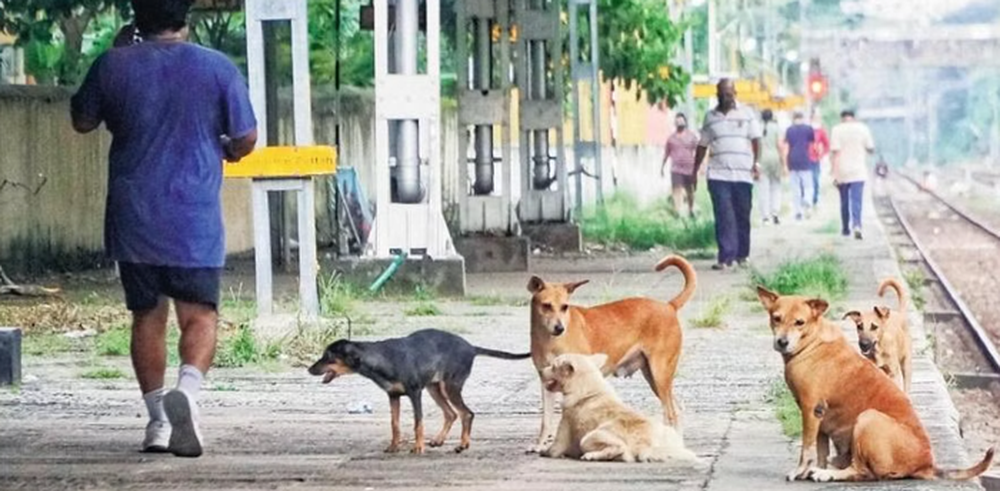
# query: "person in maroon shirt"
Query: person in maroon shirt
819,149
680,152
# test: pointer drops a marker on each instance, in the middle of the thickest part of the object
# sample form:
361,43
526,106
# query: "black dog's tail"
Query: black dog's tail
501,354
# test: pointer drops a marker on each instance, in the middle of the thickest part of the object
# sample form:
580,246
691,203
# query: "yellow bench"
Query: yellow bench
284,162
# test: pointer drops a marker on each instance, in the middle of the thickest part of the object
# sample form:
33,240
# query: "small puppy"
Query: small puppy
884,336
596,425
436,360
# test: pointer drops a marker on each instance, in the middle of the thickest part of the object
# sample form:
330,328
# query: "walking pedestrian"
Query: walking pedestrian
732,132
772,169
166,102
817,152
679,152
850,143
798,140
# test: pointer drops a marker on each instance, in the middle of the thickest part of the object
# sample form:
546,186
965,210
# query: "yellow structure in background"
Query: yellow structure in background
754,93
284,162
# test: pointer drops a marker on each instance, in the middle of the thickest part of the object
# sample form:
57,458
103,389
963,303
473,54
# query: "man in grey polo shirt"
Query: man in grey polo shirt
732,133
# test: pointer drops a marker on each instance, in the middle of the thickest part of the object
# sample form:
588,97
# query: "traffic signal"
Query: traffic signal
818,86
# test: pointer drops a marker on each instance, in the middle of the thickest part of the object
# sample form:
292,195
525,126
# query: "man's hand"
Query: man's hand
755,170
236,149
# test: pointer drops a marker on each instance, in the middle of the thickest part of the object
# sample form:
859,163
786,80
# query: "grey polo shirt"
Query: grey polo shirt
727,137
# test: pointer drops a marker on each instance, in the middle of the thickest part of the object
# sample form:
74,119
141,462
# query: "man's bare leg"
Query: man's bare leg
197,349
149,360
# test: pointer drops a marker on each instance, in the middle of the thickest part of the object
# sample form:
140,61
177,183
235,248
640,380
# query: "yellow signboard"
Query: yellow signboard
751,92
284,162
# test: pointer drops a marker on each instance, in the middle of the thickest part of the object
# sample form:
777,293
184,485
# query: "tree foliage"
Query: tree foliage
637,43
37,22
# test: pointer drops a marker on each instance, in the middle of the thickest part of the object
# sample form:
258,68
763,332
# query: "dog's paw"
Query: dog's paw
590,456
795,475
392,448
417,450
435,443
820,475
541,447
461,448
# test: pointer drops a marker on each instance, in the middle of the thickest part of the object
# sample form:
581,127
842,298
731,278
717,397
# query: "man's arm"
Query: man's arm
755,145
236,149
666,157
85,106
834,164
699,156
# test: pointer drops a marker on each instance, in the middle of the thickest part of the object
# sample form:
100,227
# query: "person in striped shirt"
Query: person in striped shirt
731,136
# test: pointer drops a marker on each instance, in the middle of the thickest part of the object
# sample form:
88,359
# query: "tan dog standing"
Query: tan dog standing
884,336
596,425
644,332
844,398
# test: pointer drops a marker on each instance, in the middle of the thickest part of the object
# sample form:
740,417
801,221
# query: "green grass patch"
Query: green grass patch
236,308
337,297
819,276
423,309
915,281
831,227
621,221
242,348
714,314
103,373
225,388
116,341
45,344
785,409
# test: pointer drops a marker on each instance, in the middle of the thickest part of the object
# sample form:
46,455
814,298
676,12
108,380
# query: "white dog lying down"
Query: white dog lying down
596,425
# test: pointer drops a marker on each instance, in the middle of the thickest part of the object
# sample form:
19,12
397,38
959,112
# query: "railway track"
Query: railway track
958,257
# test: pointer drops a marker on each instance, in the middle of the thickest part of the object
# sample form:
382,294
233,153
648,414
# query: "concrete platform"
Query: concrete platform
282,429
495,254
557,236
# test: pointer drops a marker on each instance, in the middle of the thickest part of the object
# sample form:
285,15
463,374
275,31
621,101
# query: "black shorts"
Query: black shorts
145,284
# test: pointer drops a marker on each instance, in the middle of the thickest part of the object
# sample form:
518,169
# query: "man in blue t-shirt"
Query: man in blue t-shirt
798,140
174,110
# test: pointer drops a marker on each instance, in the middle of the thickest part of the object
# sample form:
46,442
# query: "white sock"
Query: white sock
154,404
190,380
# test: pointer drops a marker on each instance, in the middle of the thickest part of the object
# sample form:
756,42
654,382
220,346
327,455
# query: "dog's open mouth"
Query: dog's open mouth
329,376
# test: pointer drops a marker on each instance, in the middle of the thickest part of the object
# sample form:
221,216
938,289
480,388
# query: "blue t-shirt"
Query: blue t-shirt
166,106
799,138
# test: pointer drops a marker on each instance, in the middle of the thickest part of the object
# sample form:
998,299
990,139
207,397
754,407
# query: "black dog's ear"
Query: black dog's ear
350,353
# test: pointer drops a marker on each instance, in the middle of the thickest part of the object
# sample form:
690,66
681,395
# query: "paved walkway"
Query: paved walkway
285,431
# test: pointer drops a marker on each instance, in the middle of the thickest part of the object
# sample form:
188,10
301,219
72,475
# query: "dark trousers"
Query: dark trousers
851,194
732,202
815,171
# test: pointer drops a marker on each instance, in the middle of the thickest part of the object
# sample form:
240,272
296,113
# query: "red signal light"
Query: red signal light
817,86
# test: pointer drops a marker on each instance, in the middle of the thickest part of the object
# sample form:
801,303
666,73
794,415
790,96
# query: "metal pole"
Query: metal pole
574,56
595,97
408,158
542,180
713,49
484,133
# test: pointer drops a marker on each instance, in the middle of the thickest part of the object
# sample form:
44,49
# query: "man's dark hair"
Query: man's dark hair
847,113
682,116
156,16
767,115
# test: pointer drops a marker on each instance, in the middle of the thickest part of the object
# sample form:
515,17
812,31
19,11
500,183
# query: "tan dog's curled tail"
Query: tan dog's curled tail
690,279
971,472
900,292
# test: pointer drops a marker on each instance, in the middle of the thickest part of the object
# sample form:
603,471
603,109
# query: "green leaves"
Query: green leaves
637,42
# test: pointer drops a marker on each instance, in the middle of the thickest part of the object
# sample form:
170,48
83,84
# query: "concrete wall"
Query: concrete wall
52,207
53,183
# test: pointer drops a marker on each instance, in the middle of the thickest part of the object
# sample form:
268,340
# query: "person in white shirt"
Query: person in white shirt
850,143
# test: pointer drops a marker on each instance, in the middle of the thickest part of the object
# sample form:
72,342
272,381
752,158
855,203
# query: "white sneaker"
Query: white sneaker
157,437
185,439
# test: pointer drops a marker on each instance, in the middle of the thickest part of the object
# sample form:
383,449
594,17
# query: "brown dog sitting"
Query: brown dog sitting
844,398
884,336
640,332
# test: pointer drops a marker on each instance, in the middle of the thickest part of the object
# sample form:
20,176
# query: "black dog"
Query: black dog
430,358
